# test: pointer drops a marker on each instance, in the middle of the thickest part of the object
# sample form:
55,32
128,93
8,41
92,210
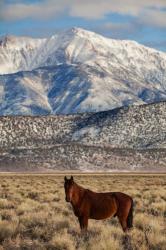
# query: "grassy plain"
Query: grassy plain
34,214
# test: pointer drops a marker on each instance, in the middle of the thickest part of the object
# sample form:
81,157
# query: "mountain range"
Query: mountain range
77,71
80,101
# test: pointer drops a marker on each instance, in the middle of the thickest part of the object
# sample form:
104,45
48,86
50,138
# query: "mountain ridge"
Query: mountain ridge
78,71
67,38
125,139
116,126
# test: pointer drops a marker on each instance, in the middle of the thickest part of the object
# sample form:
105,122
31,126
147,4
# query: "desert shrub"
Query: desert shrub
23,244
61,241
6,204
8,214
33,195
27,205
34,219
7,229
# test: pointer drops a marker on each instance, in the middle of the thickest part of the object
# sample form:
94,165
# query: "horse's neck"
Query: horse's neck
78,195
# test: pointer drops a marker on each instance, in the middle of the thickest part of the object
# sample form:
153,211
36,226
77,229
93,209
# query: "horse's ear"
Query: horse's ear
65,178
71,178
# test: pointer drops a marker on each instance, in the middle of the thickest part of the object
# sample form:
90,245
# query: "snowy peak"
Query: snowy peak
75,45
77,71
76,31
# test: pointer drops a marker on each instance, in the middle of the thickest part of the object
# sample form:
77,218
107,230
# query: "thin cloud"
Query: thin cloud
127,30
43,10
155,18
149,12
119,26
98,9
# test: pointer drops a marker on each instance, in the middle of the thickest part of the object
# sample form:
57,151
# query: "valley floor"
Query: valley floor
34,214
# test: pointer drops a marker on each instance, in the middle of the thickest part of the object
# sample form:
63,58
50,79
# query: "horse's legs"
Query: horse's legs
123,222
80,222
122,214
83,223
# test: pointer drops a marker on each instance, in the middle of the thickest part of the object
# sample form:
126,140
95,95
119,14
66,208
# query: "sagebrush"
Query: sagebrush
34,214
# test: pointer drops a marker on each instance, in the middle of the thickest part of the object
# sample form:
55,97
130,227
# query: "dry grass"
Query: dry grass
34,214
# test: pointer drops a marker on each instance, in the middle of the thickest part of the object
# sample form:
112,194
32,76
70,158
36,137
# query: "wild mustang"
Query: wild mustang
90,205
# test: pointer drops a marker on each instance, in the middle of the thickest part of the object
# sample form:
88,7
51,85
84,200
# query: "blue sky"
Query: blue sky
143,20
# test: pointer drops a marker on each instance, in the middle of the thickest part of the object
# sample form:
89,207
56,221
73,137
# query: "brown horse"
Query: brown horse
90,205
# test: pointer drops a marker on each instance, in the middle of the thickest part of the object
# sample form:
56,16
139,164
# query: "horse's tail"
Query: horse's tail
130,215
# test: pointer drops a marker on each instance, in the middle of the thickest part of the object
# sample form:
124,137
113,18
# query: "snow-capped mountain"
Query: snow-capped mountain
77,71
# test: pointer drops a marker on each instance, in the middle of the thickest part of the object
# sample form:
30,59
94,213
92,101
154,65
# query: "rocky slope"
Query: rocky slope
132,138
77,71
129,127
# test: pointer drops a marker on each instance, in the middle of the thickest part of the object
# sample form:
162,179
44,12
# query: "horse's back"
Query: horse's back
122,197
107,195
96,197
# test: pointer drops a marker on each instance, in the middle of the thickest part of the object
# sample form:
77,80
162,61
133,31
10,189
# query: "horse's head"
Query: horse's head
69,188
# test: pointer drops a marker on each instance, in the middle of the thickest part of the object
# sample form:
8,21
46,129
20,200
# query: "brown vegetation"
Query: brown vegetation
34,214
